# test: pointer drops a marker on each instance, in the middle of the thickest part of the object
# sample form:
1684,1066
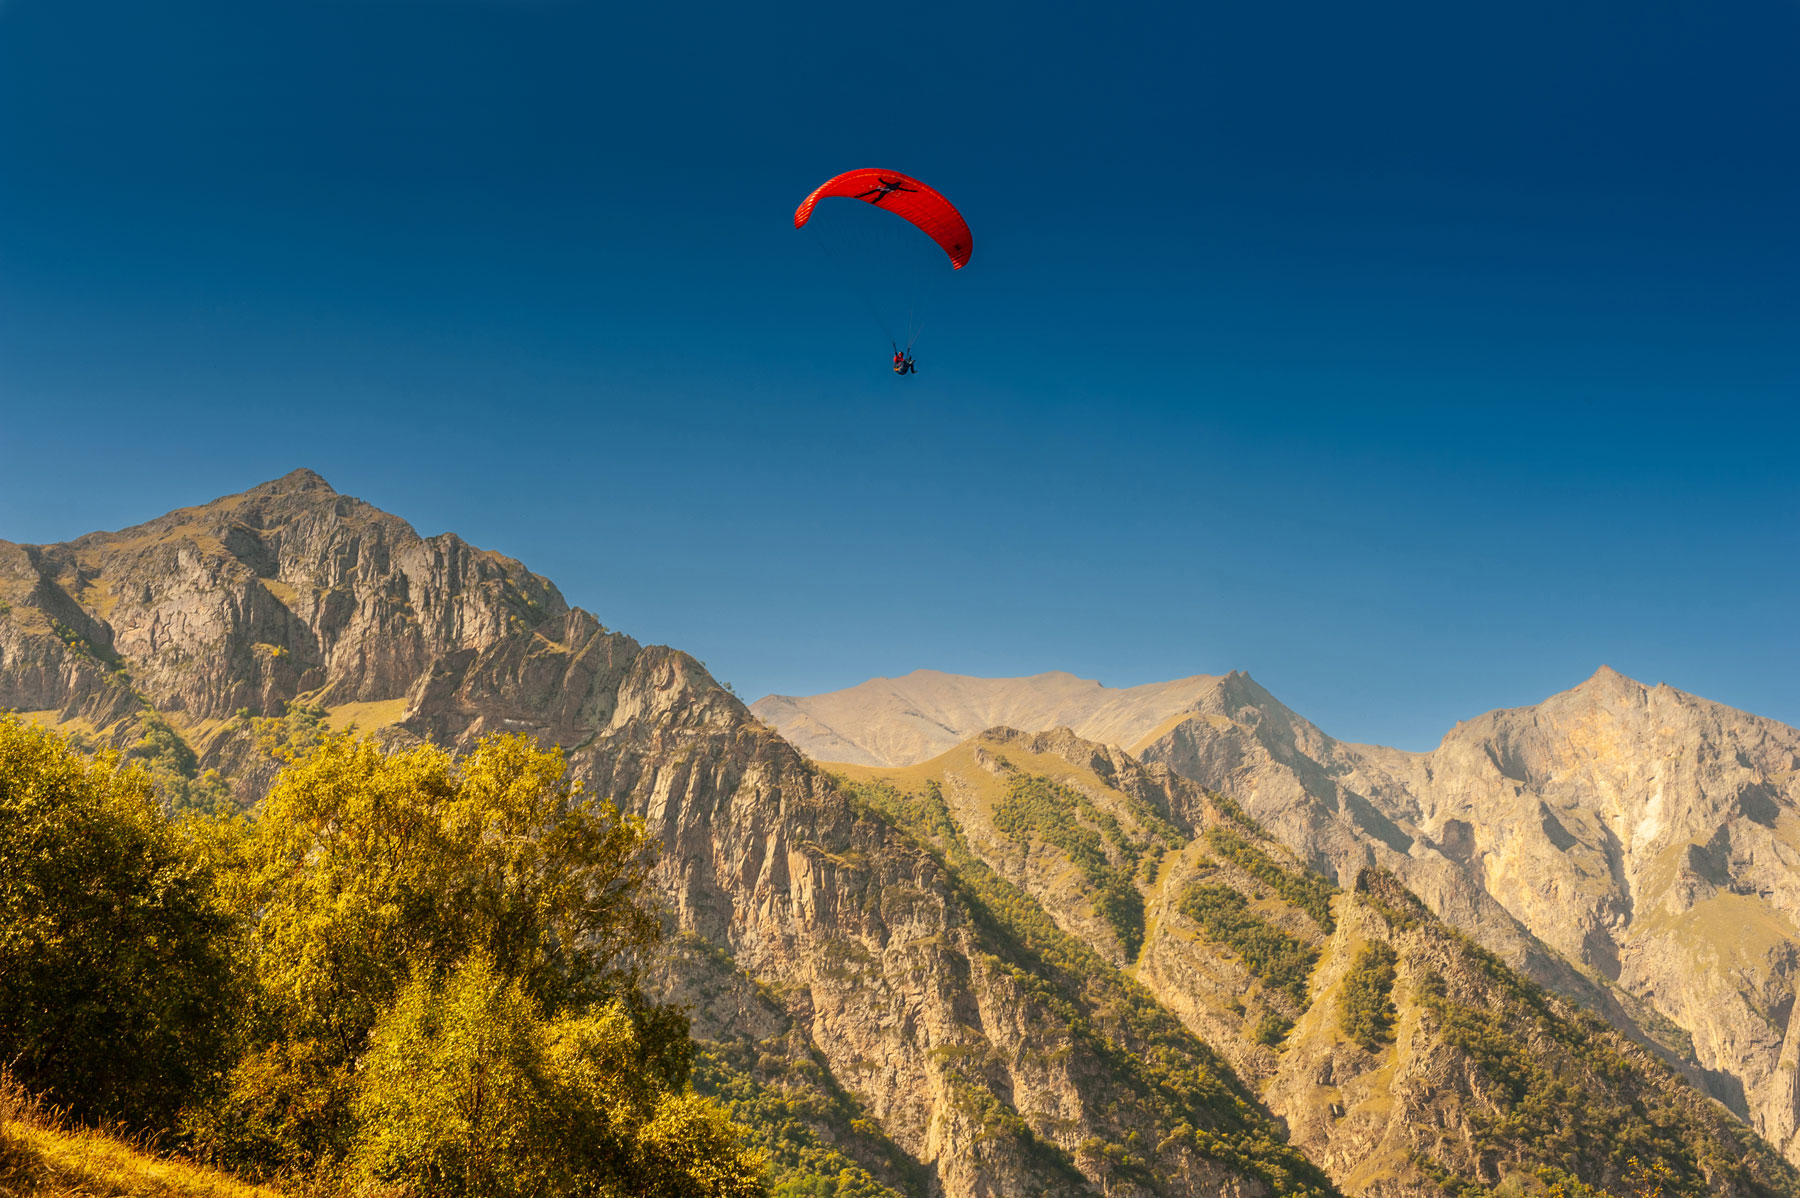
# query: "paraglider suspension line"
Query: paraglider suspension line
838,268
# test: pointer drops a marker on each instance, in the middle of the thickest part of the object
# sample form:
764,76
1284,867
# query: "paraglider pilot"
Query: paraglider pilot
903,363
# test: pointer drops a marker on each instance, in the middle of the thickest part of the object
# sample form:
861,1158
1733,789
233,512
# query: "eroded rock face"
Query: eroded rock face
1648,836
248,602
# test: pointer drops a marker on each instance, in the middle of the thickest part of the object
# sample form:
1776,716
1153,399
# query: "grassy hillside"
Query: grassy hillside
42,1157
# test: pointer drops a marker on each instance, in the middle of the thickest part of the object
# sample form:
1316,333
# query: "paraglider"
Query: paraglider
912,201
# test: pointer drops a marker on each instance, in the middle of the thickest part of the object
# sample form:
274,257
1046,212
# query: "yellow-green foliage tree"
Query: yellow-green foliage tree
469,1089
443,961
115,983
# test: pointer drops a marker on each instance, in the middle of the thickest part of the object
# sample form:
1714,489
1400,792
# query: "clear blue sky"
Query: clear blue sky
1416,357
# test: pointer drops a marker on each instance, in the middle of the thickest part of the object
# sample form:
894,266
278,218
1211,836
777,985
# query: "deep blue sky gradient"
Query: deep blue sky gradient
1417,358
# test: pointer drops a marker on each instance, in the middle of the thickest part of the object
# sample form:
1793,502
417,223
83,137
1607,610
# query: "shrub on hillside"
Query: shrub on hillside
1272,1029
115,980
469,1088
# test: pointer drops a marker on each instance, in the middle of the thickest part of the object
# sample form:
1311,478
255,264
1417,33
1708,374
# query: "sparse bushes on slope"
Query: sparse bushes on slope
1280,960
1557,1094
1038,807
1178,1081
1271,1029
1365,1001
174,770
115,983
794,1110
1303,888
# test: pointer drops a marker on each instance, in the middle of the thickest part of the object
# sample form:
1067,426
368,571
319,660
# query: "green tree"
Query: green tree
468,1088
445,956
115,982
364,868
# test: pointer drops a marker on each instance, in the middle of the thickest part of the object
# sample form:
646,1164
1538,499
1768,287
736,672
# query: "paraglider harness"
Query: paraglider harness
903,363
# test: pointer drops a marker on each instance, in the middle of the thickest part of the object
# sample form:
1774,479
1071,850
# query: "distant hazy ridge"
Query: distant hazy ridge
903,721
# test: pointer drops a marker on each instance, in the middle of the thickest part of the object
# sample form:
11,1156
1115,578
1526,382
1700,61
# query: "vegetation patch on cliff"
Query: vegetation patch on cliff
1365,1002
1302,887
1037,807
1280,960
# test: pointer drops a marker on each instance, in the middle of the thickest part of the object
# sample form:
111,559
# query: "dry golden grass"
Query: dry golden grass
964,763
52,718
285,592
41,1156
367,717
1222,723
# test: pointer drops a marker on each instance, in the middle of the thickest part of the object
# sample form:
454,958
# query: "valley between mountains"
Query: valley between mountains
961,937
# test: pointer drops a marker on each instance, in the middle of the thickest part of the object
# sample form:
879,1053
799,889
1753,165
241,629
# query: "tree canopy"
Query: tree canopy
407,973
115,978
444,961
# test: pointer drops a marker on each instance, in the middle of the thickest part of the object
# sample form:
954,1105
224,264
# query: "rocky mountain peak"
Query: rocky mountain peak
1609,685
297,480
250,602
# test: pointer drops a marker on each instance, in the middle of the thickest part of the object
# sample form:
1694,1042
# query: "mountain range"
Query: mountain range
903,721
1038,936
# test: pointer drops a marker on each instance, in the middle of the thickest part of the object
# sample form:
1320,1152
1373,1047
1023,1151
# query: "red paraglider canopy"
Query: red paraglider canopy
905,197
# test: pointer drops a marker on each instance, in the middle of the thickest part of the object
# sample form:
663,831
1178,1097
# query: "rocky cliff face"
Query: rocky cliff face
1642,834
1070,823
245,604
